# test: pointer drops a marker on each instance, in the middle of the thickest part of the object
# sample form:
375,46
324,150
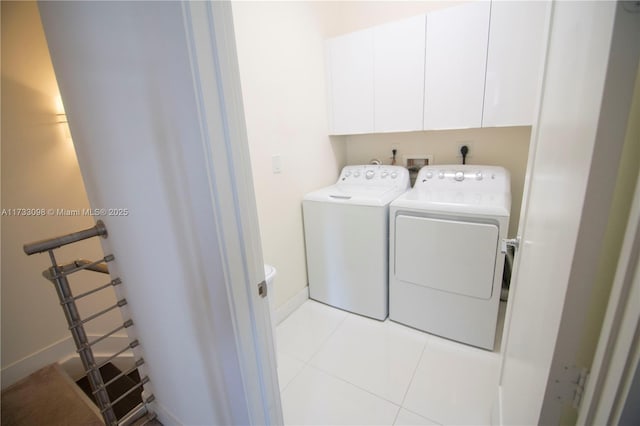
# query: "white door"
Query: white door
152,94
613,390
576,143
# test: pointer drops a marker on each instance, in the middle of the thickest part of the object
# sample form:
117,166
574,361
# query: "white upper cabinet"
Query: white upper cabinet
399,49
468,66
456,53
516,43
349,61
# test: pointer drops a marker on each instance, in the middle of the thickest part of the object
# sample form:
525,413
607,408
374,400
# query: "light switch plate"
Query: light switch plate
276,163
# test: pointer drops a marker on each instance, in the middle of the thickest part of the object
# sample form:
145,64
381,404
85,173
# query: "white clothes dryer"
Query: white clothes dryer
346,229
445,254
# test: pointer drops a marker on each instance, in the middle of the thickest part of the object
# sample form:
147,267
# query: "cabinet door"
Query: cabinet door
350,82
516,43
399,75
455,66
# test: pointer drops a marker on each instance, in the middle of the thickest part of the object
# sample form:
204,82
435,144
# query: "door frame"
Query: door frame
618,350
216,75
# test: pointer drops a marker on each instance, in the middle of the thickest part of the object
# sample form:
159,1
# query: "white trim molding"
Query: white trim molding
288,307
618,349
35,361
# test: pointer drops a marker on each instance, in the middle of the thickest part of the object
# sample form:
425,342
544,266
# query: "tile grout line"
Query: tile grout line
427,345
354,385
329,336
420,415
307,363
395,419
424,347
330,374
292,378
415,370
400,407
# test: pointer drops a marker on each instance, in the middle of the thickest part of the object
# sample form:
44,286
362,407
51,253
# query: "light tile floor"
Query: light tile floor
337,368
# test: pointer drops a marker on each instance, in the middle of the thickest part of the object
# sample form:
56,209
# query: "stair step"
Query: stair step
117,388
147,420
47,397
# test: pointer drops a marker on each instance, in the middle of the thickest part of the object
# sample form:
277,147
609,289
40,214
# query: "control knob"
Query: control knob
440,174
479,176
394,175
459,176
356,174
384,174
429,175
370,174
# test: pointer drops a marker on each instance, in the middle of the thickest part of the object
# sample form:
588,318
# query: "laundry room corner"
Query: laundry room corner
280,54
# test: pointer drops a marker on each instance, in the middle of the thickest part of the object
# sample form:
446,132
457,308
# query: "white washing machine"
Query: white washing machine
346,228
445,253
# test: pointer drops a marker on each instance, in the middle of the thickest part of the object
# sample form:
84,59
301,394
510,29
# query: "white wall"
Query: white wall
39,170
341,17
507,147
280,52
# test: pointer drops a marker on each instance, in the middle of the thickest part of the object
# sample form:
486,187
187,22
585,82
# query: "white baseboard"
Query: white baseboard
35,361
64,353
164,416
291,305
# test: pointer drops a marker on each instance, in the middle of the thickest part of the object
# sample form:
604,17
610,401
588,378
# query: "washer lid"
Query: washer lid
468,189
355,194
370,185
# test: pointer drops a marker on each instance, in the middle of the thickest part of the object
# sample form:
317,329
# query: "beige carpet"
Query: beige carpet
47,397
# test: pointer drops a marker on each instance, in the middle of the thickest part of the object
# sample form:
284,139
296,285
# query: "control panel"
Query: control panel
374,175
447,175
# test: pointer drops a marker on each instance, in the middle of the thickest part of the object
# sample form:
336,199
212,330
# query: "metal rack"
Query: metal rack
58,274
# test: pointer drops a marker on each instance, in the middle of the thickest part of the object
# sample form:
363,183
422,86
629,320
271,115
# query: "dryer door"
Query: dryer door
448,255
